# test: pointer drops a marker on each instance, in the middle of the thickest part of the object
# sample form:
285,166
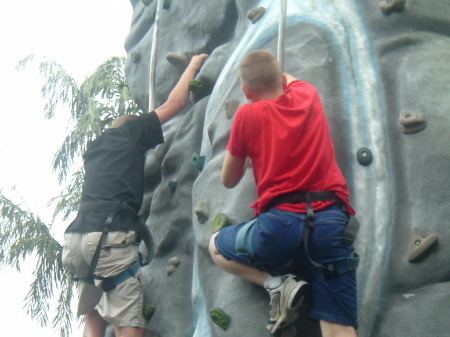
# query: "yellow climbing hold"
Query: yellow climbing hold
179,61
220,318
220,221
148,311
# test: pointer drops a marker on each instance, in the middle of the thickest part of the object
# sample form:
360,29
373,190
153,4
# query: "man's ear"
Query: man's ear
247,92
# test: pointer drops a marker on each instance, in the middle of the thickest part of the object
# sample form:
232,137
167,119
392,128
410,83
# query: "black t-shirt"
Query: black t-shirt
114,169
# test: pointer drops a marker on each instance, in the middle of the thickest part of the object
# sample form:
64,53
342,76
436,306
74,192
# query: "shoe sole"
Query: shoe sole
296,299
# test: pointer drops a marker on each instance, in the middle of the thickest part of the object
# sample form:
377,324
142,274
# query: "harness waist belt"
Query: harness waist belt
297,197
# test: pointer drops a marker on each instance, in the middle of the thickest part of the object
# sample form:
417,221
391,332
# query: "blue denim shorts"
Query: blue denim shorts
277,240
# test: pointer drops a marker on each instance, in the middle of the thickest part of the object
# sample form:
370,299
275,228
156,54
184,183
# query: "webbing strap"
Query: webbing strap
243,240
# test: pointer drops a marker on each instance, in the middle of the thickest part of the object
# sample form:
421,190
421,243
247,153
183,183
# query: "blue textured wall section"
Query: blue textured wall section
370,67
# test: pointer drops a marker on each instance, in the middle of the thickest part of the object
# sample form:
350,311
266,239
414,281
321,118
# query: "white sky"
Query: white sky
80,35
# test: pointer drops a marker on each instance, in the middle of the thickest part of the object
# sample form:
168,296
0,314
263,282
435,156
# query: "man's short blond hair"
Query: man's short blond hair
260,70
122,120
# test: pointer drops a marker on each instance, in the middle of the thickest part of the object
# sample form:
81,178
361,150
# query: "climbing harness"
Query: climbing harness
243,239
113,208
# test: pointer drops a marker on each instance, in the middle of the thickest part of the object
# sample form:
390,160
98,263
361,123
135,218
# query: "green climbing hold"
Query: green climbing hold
190,332
364,156
166,4
198,161
196,86
173,185
220,221
220,318
148,311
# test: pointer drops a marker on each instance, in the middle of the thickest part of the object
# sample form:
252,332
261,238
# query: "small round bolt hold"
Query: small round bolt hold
418,242
364,156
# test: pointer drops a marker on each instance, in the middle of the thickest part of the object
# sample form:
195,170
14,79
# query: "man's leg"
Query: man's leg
121,331
330,329
95,324
249,273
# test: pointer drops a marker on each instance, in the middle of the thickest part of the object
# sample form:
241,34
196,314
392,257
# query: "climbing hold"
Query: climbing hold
231,106
175,261
202,211
419,245
389,6
166,4
190,332
197,87
412,122
220,318
173,185
135,56
220,221
179,61
256,14
146,2
172,265
364,156
198,161
148,311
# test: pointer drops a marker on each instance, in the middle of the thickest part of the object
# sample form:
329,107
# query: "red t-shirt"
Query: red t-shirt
289,142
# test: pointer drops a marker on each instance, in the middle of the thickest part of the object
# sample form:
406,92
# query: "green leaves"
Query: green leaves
23,235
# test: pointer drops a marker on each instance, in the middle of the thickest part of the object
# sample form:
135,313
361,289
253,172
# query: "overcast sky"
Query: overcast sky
80,35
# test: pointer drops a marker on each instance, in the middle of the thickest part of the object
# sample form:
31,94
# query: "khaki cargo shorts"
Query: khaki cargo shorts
121,306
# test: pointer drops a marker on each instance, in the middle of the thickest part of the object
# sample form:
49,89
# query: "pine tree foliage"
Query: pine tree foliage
99,100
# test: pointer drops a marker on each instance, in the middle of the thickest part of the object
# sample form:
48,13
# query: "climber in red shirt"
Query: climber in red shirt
302,197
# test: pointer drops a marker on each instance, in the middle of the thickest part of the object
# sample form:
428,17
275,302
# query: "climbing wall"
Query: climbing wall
383,73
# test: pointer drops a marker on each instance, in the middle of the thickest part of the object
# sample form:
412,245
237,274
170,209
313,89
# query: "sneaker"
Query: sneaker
285,301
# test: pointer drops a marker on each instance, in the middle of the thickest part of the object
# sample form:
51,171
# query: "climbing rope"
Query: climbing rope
151,84
281,33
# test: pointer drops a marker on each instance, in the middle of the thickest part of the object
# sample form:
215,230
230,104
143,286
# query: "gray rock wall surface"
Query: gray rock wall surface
373,68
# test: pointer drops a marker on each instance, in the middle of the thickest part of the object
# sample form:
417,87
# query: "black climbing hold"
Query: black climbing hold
198,161
173,185
231,106
388,6
412,122
135,56
364,156
197,87
220,221
166,4
419,245
179,61
256,14
220,318
148,311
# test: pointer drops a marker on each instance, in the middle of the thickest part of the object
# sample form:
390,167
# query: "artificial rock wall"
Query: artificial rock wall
382,69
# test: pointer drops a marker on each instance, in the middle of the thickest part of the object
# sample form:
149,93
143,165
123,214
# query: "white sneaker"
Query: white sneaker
285,301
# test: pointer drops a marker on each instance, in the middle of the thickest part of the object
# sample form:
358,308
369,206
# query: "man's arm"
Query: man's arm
233,170
180,93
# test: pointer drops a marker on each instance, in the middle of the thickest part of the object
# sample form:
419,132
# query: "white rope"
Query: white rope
281,33
151,84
